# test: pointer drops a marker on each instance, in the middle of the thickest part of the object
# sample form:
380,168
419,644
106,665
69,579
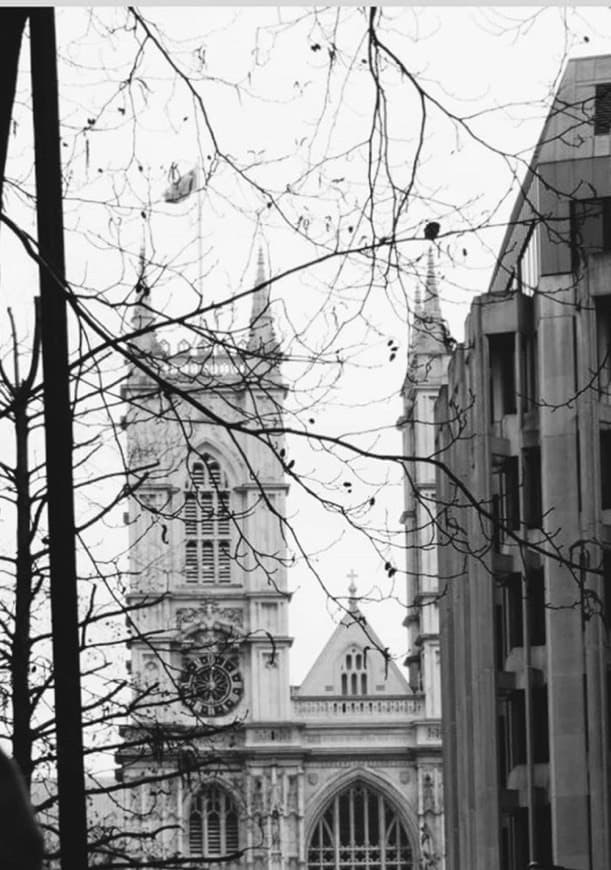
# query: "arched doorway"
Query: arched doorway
359,829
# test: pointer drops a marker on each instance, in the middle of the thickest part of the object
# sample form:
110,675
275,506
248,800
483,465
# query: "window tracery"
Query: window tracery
213,827
207,513
354,673
359,830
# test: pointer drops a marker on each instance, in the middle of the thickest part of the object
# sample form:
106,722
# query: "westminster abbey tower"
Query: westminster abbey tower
239,768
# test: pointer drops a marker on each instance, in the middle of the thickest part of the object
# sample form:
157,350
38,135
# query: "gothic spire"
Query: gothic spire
429,330
262,337
430,306
143,315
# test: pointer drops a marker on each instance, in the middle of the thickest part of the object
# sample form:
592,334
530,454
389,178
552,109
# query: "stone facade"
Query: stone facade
428,357
429,349
340,771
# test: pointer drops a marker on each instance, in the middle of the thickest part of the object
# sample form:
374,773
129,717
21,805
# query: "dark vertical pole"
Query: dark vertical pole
12,23
58,441
20,664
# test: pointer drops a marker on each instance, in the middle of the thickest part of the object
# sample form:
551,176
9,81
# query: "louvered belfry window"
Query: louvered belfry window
213,824
359,829
207,524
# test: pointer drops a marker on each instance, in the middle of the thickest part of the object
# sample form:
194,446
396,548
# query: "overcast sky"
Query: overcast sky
262,74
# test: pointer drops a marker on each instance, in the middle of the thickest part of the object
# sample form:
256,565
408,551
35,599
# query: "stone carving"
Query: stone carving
428,794
263,735
143,454
404,777
209,625
355,762
362,737
257,796
208,616
227,739
293,795
332,708
429,859
274,796
185,615
313,778
150,674
236,786
270,660
275,817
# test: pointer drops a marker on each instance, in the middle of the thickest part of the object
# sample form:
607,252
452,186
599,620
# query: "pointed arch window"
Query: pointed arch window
207,512
213,825
359,830
354,673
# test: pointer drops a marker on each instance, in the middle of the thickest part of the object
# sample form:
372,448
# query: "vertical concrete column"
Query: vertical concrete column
564,634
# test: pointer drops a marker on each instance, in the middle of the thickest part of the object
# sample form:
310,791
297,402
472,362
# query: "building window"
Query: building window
602,109
606,593
528,264
360,829
516,729
605,467
512,612
514,839
536,607
502,375
213,824
207,524
531,465
354,673
505,498
528,384
540,725
590,228
603,343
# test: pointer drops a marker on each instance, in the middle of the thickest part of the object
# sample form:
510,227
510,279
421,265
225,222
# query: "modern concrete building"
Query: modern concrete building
524,426
238,768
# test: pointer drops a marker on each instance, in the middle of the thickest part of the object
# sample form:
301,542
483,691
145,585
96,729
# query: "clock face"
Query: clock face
213,684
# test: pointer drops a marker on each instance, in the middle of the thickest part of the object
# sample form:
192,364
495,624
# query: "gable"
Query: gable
351,663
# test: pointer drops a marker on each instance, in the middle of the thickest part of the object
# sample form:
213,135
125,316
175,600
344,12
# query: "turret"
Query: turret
427,361
262,339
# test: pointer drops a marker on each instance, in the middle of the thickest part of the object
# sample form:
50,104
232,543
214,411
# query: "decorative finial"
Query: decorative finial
143,315
352,599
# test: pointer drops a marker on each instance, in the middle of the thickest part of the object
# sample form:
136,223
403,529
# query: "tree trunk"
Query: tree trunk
22,737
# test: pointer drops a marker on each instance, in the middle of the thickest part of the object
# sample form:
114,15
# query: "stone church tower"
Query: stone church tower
428,357
223,761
